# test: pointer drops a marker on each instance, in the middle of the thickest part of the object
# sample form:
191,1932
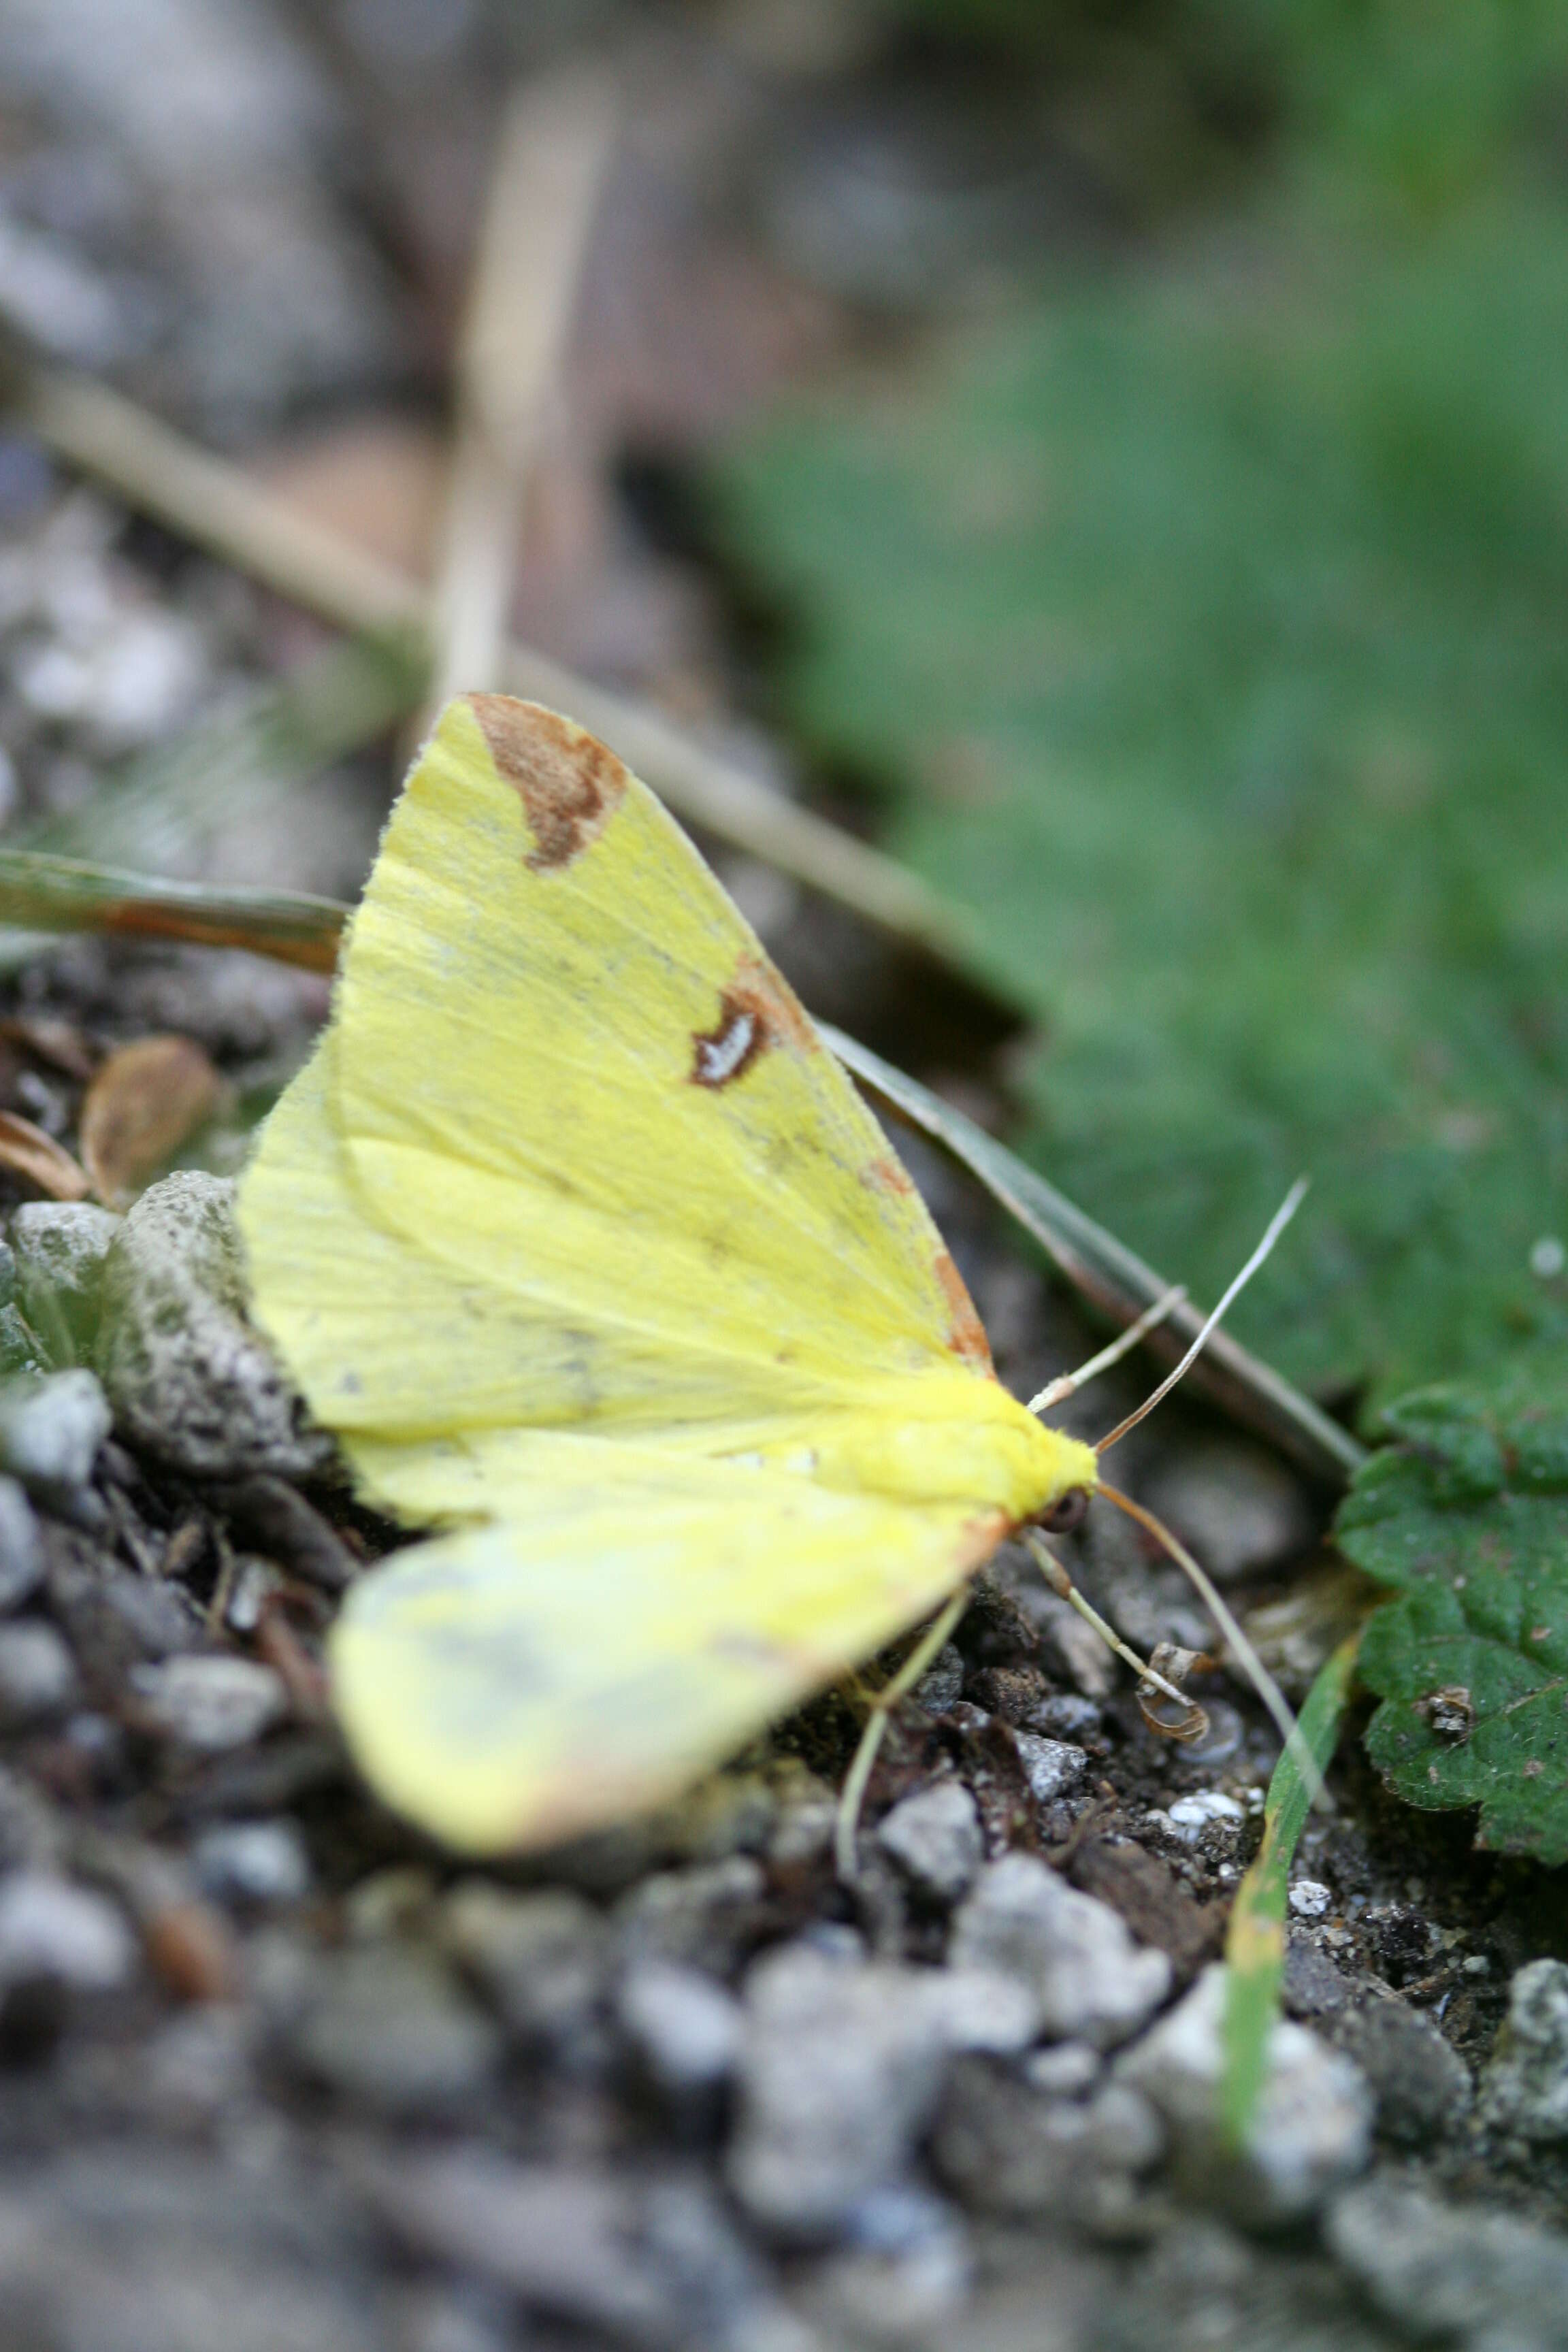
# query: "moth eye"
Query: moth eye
1067,1512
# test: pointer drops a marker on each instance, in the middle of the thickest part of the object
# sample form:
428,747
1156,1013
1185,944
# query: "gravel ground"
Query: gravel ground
273,2072
271,2062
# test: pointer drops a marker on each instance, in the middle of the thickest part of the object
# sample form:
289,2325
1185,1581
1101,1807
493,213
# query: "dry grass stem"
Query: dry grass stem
555,150
213,504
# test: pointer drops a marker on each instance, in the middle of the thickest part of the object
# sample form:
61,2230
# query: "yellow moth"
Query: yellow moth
584,1247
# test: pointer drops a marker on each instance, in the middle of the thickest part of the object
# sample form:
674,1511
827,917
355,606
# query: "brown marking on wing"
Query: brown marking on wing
887,1175
570,783
965,1333
757,1011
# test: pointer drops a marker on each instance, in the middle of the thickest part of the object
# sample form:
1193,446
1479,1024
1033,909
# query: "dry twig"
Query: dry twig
214,505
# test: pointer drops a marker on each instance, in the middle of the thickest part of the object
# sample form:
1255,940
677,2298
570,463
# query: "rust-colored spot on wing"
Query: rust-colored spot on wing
888,1175
756,1012
570,783
965,1333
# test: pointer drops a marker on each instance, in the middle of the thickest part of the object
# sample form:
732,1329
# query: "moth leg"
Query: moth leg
931,1642
1192,1721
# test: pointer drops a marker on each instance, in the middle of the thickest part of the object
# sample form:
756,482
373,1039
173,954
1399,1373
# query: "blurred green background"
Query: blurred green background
1198,602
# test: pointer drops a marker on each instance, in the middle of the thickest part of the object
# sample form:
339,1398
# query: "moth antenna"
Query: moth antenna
1277,1224
1064,1588
1065,1383
1246,1656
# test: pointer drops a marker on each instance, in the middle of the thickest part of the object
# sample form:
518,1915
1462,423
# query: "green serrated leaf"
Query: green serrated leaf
1467,1518
1205,623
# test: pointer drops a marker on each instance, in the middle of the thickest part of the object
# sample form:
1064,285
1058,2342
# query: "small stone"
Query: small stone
1309,1898
114,1617
254,1581
212,1703
1205,1809
905,2272
1091,1982
540,1960
260,1862
655,2263
394,1901
1525,2088
59,1248
729,1812
1462,2274
1402,1939
1421,2084
1123,2131
803,1834
1013,1692
1084,1656
274,1520
37,1674
30,1836
21,1551
934,1837
840,2068
1066,2071
198,2064
1223,1737
135,678
388,2027
980,2010
1010,2148
684,2027
189,1380
1313,2124
1067,1714
51,1929
1313,1986
50,1430
706,1916
1235,1504
942,1685
1051,1767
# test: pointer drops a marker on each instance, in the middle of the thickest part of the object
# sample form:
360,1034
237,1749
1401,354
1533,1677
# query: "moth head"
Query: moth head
1068,1511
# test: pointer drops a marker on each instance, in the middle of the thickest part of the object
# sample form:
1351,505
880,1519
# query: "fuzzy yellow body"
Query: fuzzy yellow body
583,1245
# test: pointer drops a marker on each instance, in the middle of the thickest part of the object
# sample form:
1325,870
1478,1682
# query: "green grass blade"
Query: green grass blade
1255,1942
67,894
1111,1278
165,810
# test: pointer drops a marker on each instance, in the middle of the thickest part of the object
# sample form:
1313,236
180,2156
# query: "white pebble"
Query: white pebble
50,1430
1190,1816
685,2026
210,1704
1051,1767
1309,1898
1090,1980
38,1673
934,1837
1313,2124
253,1861
1066,2070
50,1927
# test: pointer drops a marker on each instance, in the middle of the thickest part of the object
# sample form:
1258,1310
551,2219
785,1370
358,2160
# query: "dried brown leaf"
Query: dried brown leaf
145,1102
28,1152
